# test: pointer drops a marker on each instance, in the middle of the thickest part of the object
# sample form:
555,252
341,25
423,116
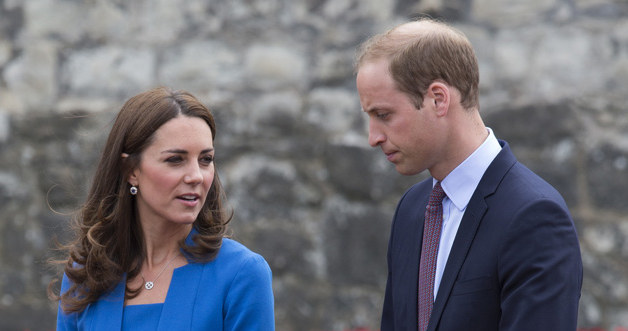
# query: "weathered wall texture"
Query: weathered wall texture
308,191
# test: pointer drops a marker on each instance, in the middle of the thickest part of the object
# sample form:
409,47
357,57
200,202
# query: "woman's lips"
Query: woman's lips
189,200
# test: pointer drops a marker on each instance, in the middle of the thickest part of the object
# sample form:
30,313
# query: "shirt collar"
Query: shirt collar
460,184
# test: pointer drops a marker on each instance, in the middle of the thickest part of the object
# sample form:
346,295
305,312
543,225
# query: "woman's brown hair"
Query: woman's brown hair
109,240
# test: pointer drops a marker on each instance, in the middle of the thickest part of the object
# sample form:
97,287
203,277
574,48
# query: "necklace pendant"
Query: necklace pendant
148,285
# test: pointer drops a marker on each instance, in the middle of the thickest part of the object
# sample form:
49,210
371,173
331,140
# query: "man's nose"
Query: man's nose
376,136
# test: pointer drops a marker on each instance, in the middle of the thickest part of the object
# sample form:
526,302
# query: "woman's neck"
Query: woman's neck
162,242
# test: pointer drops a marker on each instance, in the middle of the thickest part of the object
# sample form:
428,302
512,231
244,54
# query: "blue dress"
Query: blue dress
141,317
232,292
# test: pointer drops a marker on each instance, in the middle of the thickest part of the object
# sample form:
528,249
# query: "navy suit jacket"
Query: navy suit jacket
514,265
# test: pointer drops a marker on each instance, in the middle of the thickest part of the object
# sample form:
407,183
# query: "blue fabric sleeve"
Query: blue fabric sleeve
65,321
249,305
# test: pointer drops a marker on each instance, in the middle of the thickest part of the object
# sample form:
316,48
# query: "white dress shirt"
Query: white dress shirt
459,186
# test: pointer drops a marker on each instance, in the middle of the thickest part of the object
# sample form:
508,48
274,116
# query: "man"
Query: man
496,248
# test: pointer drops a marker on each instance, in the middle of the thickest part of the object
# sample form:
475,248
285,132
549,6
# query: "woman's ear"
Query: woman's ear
133,175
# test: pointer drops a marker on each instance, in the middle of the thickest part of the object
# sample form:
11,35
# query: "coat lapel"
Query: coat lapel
107,311
178,308
468,227
466,232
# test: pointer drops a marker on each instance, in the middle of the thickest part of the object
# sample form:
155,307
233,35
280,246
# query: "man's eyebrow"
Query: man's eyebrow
371,110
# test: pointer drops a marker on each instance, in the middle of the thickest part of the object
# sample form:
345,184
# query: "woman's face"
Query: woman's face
175,172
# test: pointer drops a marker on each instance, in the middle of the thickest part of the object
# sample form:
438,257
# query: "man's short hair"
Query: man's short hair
422,52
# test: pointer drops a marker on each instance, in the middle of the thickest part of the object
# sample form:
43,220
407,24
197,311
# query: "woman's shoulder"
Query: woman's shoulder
234,250
234,255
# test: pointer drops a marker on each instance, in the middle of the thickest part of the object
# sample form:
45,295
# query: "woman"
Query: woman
150,250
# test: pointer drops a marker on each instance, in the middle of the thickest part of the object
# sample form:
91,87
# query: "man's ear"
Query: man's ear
133,175
440,95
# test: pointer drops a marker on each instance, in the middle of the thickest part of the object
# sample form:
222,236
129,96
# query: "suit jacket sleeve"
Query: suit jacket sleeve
249,304
540,270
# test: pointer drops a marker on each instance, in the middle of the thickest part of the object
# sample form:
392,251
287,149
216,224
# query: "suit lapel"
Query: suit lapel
469,224
466,232
406,253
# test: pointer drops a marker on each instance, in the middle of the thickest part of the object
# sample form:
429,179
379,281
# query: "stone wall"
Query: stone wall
309,193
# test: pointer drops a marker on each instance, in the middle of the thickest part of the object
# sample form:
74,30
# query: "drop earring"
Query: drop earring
133,190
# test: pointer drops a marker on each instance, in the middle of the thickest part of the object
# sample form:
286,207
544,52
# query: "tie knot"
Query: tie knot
437,195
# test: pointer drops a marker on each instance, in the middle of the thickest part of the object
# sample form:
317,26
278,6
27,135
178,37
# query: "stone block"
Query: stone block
5,127
603,9
67,23
5,52
510,13
283,241
350,170
335,112
555,60
273,115
270,67
199,66
607,177
535,126
334,67
109,71
356,237
32,77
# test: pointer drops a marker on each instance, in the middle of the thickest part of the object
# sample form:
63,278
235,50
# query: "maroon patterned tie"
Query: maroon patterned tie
429,252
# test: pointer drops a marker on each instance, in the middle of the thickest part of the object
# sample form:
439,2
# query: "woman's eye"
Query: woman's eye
207,159
174,159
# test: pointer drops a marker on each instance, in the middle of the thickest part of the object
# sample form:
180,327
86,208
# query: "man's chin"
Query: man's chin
407,171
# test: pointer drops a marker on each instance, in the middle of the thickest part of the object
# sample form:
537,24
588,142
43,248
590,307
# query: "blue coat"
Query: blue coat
514,265
231,292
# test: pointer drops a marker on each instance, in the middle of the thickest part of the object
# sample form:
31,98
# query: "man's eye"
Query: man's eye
382,115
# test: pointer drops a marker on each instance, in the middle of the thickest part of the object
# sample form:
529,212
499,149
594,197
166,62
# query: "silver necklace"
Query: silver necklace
150,284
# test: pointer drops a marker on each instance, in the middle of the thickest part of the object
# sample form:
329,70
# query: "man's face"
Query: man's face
409,137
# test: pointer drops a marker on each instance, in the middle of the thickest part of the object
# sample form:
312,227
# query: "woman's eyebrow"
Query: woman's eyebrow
182,151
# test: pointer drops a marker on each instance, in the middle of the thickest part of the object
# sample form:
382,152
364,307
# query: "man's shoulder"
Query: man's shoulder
522,179
507,176
519,186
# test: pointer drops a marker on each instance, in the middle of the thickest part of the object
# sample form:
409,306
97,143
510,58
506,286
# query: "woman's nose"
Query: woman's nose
194,175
